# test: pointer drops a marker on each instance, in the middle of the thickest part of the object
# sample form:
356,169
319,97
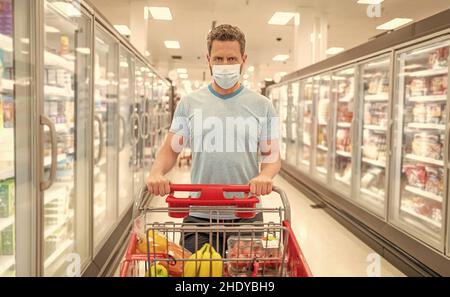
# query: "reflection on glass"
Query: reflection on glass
7,141
375,107
283,118
421,122
322,93
139,100
105,135
66,77
293,119
307,118
343,94
125,142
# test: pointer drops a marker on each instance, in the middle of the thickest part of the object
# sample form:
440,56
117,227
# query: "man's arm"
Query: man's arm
270,167
166,159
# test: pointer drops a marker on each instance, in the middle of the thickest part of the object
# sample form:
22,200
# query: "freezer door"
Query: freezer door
306,124
126,91
343,94
106,142
66,116
139,101
420,142
149,119
284,120
292,139
322,91
373,118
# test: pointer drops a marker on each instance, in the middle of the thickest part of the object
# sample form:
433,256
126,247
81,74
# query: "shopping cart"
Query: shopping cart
247,249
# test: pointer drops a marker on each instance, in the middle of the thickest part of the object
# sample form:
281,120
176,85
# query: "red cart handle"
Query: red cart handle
213,196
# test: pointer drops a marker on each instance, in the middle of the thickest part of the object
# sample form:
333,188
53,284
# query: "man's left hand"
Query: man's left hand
261,185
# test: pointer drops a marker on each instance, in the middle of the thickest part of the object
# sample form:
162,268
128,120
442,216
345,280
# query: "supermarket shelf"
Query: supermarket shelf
6,222
6,262
377,98
373,162
426,126
377,197
344,154
421,217
342,180
323,123
305,162
52,91
423,193
425,160
321,170
322,148
430,72
7,85
375,128
48,160
433,98
57,254
344,125
99,190
58,61
6,174
56,192
52,229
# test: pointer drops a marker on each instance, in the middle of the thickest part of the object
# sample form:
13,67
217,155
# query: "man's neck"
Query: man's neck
224,92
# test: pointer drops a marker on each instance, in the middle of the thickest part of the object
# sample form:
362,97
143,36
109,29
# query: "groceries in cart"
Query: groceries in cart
254,256
206,262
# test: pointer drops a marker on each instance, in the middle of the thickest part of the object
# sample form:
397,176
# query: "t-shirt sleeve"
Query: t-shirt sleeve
180,122
270,125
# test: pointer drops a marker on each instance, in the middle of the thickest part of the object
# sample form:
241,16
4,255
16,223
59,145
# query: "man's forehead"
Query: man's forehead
225,46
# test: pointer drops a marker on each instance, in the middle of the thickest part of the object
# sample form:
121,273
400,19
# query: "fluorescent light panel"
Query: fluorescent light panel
160,13
172,44
184,76
281,18
373,2
281,58
182,71
123,29
395,23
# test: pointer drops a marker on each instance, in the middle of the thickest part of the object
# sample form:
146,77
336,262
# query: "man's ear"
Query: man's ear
244,58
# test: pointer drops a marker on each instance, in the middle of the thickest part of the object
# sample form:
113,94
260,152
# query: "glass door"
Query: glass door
374,121
343,99
306,123
139,99
146,120
323,110
66,76
284,118
105,135
126,86
292,145
420,142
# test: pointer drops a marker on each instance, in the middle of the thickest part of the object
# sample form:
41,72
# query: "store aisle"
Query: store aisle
330,249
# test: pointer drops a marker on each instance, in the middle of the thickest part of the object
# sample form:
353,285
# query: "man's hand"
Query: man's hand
261,185
158,185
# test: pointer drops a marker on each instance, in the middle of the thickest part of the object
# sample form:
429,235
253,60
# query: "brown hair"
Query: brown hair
226,33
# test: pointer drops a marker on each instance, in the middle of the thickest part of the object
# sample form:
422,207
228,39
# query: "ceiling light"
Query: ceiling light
395,23
370,2
251,69
50,29
147,54
182,71
123,29
159,13
172,44
246,76
268,79
281,18
281,58
334,50
184,76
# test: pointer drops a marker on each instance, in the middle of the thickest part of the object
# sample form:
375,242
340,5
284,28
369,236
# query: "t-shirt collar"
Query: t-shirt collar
225,97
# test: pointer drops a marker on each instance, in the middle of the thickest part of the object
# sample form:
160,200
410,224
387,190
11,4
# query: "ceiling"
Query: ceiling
348,22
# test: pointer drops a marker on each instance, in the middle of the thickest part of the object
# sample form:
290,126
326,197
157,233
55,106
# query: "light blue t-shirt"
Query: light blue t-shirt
224,133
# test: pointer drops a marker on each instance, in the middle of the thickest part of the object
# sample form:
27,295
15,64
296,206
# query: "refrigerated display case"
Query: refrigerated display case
343,93
139,101
284,119
321,93
420,142
306,123
67,77
126,157
374,88
292,123
106,81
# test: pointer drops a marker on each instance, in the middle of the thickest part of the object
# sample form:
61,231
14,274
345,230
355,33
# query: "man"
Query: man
232,131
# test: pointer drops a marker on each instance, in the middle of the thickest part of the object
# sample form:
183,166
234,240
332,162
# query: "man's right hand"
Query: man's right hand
158,185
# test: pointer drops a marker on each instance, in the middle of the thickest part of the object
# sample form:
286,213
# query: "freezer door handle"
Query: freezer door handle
45,121
124,133
135,127
98,119
145,121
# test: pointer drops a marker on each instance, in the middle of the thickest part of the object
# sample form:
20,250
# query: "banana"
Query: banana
213,267
192,266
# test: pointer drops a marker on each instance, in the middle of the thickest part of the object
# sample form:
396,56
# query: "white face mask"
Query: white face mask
226,76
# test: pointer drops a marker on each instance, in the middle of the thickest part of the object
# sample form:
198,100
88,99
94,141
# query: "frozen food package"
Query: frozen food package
416,175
